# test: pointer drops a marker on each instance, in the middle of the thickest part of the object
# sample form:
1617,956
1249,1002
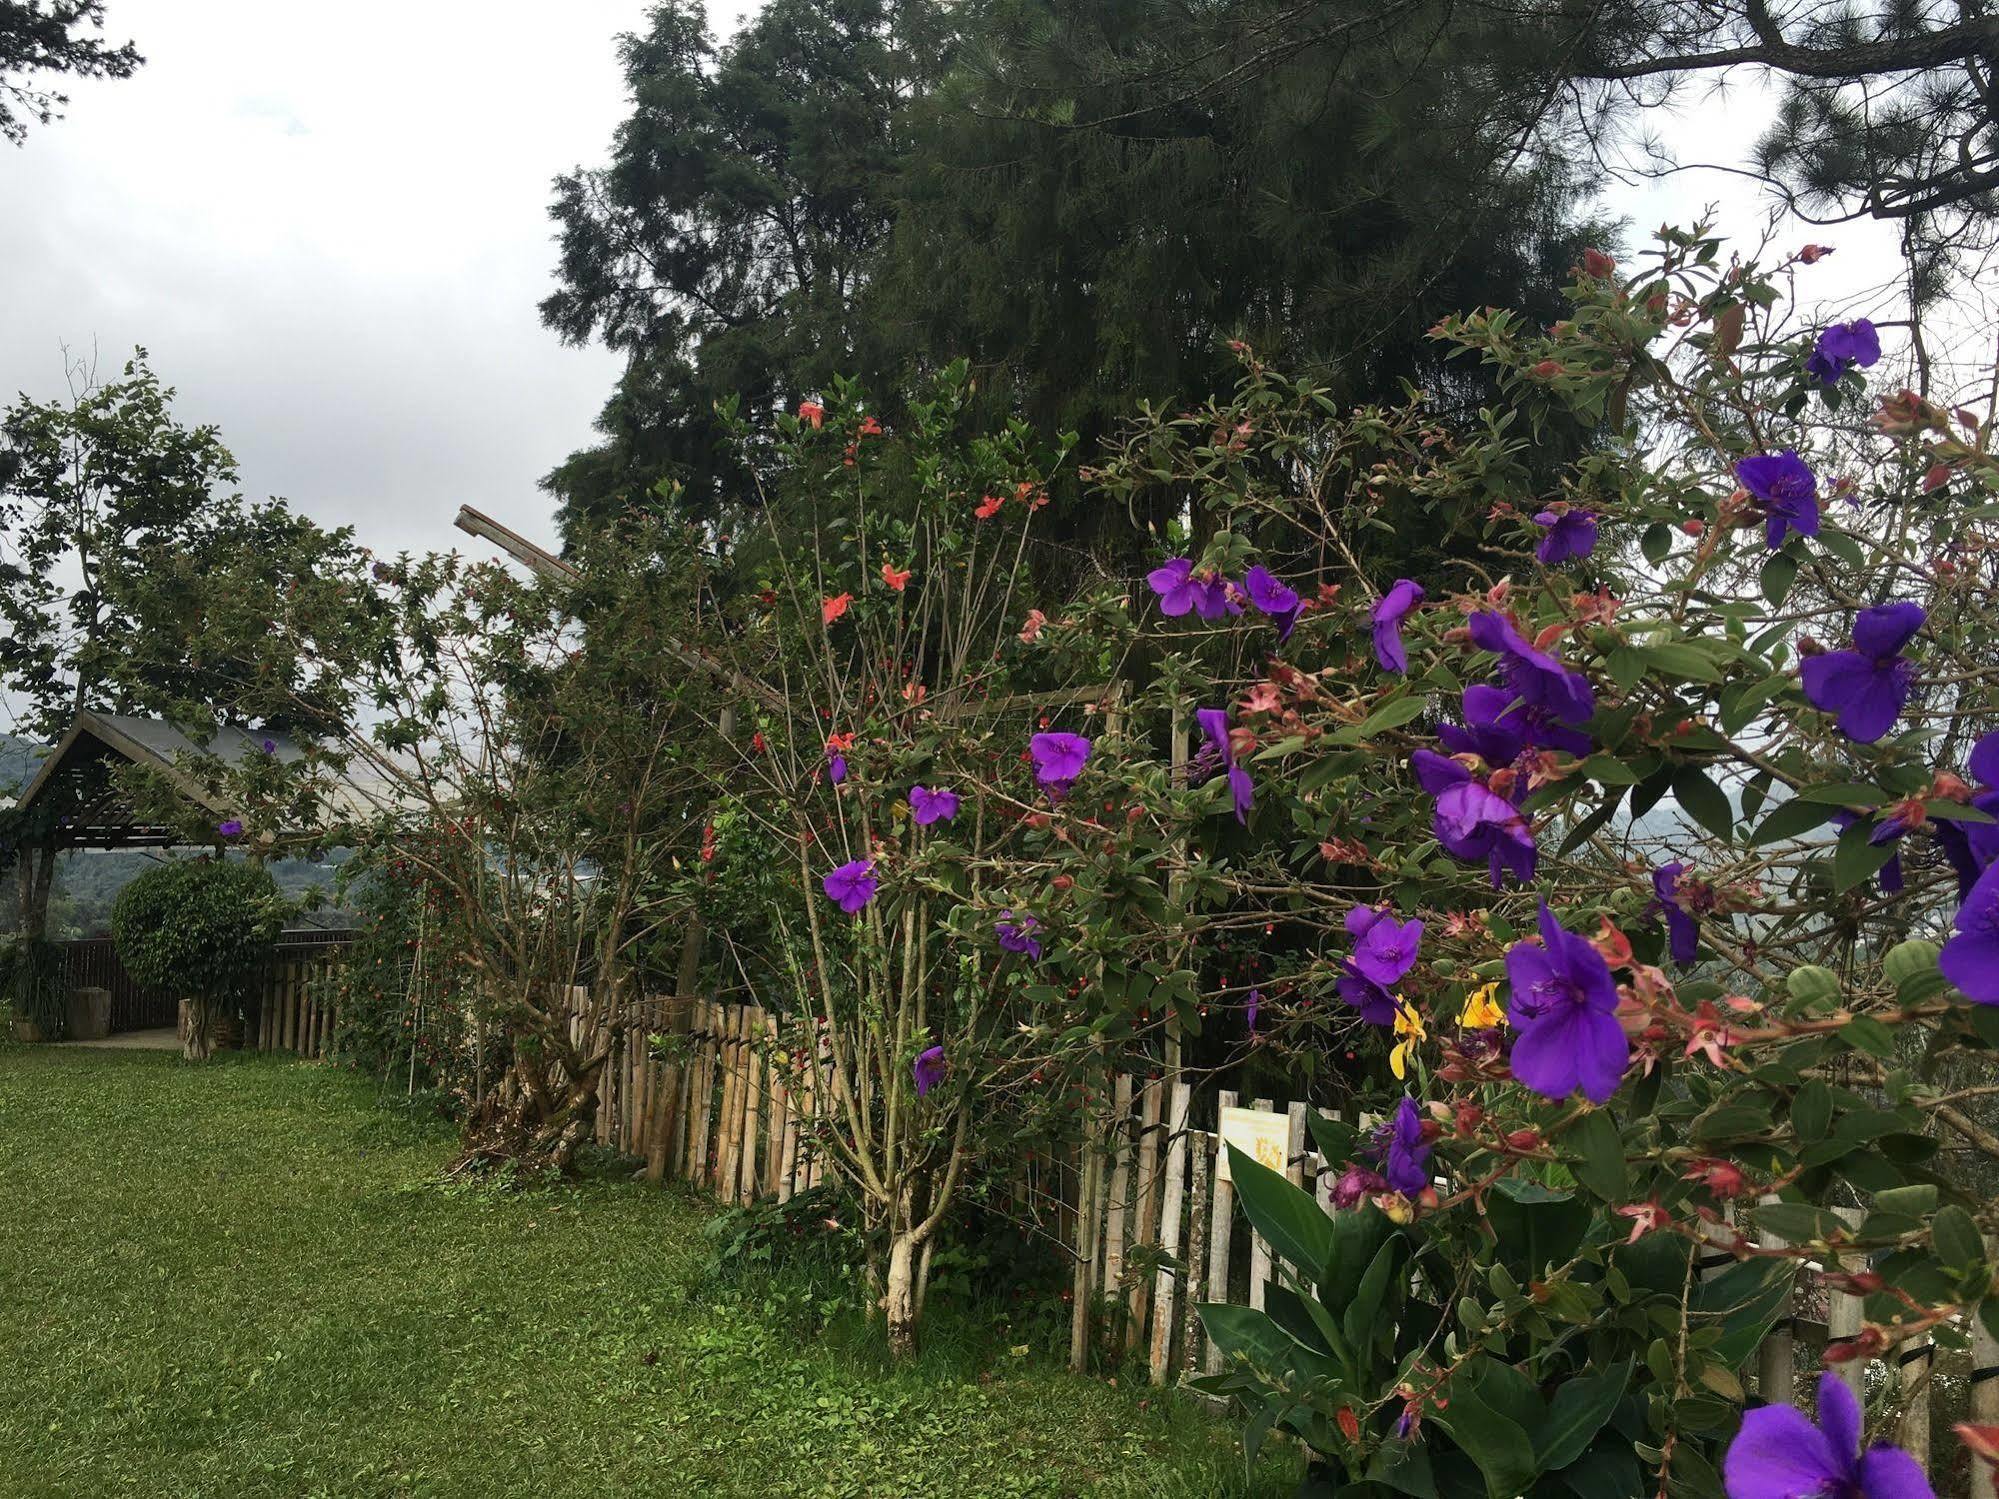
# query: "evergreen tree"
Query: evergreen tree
39,37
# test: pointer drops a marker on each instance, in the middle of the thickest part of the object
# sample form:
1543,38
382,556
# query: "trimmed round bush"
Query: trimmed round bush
201,929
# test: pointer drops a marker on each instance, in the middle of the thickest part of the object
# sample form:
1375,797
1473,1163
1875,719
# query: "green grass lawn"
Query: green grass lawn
245,1279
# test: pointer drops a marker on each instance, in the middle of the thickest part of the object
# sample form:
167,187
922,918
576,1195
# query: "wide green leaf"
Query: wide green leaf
1295,1226
1577,1413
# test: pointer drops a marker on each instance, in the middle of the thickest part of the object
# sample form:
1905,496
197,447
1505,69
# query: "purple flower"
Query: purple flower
1181,591
1407,1158
929,1069
1474,823
233,828
852,885
1970,959
1499,729
1984,762
1563,1004
1789,492
1778,1454
1396,605
1384,950
1683,933
1214,723
932,805
1018,936
1536,677
1355,1183
836,768
270,746
1841,347
1571,533
1868,685
1058,758
1273,597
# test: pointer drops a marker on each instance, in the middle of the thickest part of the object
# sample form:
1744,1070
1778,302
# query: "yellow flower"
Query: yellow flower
1482,1011
1409,1026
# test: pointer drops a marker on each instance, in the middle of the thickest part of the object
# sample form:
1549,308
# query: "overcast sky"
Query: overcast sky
329,227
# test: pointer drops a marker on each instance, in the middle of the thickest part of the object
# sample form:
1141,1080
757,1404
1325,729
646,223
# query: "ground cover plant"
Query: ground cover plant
243,1278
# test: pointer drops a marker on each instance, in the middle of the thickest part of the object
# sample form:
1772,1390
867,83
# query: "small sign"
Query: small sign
1255,1133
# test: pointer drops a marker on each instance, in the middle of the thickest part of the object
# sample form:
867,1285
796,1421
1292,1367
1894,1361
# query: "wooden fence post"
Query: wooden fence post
1147,1208
1776,1364
1172,1204
1259,1247
1120,1189
1221,1230
1843,1313
1985,1360
1200,1145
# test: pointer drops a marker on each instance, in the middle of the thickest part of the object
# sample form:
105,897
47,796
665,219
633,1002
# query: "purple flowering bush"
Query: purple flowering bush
1623,834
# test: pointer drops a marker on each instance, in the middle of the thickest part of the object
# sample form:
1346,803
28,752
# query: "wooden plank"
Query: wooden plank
1120,1186
1082,1274
1139,1296
1844,1313
787,1166
1221,1231
1294,1151
1172,1204
1985,1360
753,1101
288,1035
1912,1367
729,1143
1259,1247
1200,1151
704,1098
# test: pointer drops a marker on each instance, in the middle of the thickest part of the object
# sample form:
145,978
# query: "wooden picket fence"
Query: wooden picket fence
707,1104
295,1011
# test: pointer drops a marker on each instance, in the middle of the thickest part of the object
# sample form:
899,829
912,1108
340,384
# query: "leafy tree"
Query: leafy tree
115,517
49,36
746,199
201,929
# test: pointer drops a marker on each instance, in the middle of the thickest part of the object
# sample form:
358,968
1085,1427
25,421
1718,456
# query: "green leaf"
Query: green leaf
1244,1332
1657,542
1503,1452
1677,658
1811,1110
1779,573
1608,770
1600,1166
1856,859
1956,1238
1295,1226
1812,985
1789,820
1535,1226
1865,1033
1705,802
1842,794
1577,1414
1393,715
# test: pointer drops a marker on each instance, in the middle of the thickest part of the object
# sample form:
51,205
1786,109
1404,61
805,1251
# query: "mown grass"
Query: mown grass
244,1279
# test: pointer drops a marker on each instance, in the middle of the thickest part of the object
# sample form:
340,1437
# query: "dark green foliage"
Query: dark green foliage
199,927
51,36
881,191
34,983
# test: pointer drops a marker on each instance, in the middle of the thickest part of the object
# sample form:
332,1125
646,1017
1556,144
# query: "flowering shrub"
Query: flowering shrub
1630,824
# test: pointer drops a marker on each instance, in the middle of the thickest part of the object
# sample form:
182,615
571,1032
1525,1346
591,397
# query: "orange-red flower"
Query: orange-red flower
988,507
812,414
898,580
834,607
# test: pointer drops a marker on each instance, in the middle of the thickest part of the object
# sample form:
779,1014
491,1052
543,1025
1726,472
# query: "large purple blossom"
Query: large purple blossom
1396,605
1973,847
1018,936
1058,759
1536,677
1499,729
1384,950
1788,489
929,1069
1214,723
1181,590
1867,686
932,804
1683,933
852,885
1405,1158
1274,597
1473,822
1778,1454
1563,1004
1841,347
1571,533
1970,959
